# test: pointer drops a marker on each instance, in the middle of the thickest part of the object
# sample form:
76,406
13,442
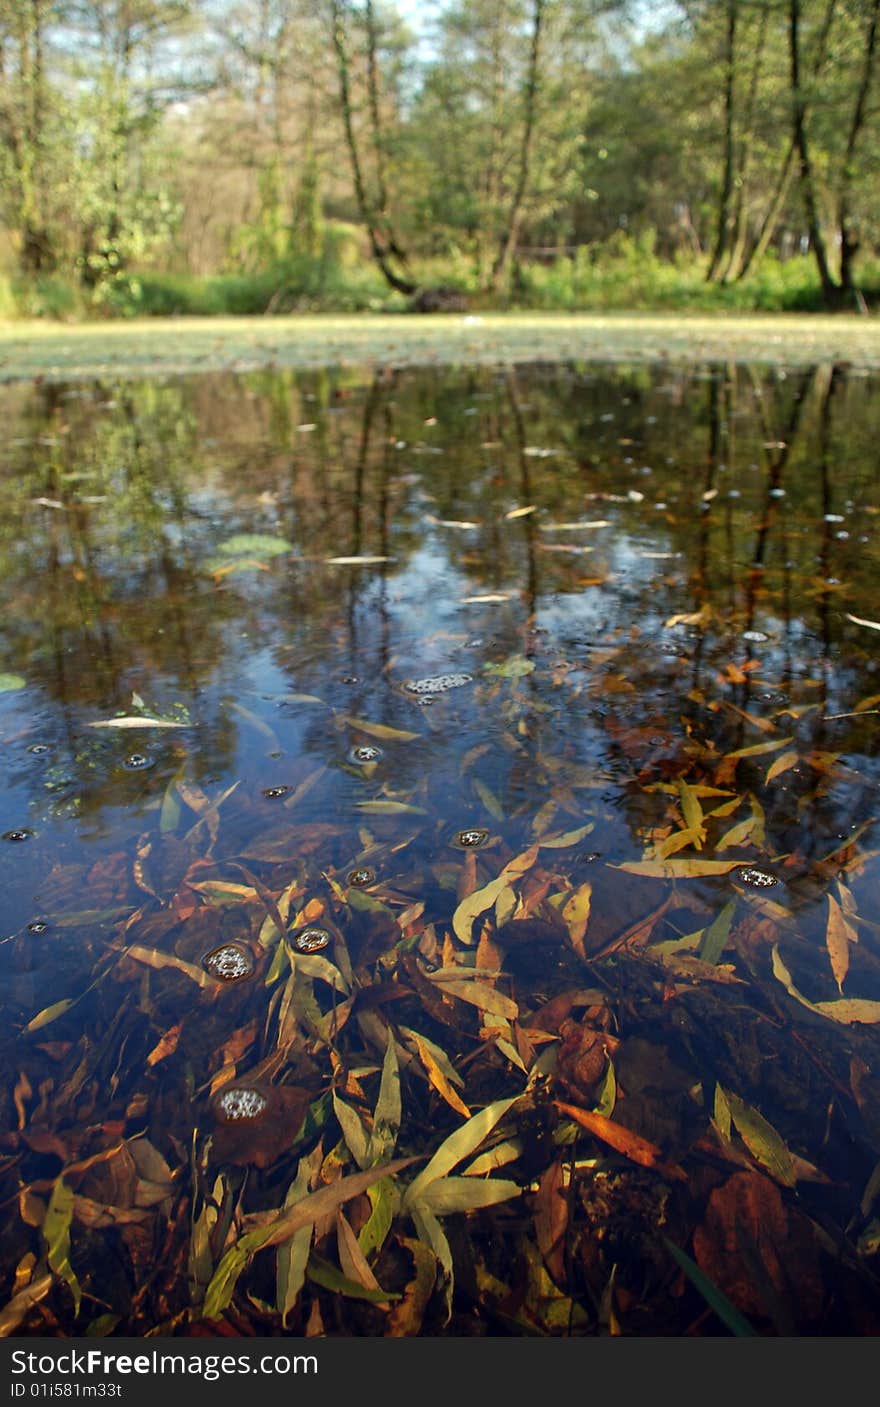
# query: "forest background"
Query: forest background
278,156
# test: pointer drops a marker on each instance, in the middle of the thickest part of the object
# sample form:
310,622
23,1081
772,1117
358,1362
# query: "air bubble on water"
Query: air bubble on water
137,762
310,940
436,683
365,752
229,963
241,1104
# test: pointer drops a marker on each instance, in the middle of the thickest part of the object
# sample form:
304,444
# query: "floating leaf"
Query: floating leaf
8,682
520,512
839,933
859,620
256,545
678,869
136,721
516,667
364,561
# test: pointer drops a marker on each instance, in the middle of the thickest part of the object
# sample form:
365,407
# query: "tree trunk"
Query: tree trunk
830,290
383,252
847,225
723,232
768,227
508,241
738,222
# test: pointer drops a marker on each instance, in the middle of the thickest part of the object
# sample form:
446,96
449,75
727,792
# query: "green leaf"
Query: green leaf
716,935
560,842
372,1234
354,1131
516,667
329,1278
283,1225
729,1315
762,1140
8,682
431,1232
258,545
465,1194
48,1014
721,1113
56,1234
458,1145
388,1111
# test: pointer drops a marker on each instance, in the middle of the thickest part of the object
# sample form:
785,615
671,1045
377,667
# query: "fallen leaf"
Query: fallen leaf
631,1145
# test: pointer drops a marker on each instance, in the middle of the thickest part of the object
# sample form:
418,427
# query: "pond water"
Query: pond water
383,748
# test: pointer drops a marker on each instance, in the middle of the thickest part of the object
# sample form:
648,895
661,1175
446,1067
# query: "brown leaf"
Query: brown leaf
631,1145
261,1140
166,1046
551,1219
760,1253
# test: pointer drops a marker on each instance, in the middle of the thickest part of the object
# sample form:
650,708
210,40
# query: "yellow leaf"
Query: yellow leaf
483,996
576,915
153,958
758,748
839,933
49,1013
483,899
436,1075
739,834
378,730
781,764
677,869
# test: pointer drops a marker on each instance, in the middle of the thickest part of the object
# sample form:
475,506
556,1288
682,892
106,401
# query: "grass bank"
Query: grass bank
154,346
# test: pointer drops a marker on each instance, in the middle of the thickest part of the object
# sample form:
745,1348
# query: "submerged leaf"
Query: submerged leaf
56,1234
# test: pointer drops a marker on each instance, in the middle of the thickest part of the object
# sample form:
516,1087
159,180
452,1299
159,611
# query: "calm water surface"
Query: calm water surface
647,595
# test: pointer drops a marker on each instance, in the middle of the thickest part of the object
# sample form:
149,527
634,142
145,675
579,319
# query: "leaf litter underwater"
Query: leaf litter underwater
417,931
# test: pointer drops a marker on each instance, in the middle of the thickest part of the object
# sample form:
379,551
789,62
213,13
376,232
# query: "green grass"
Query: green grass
151,346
